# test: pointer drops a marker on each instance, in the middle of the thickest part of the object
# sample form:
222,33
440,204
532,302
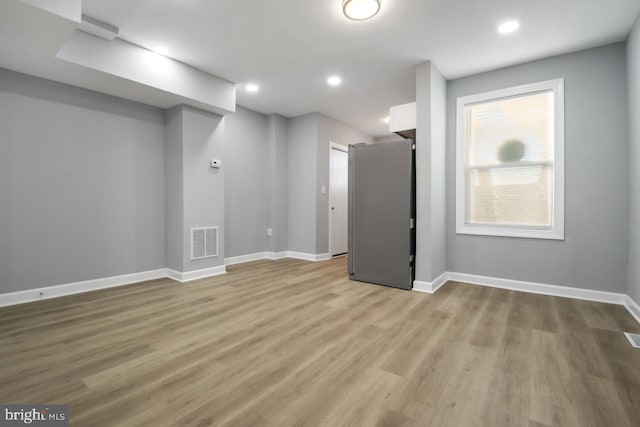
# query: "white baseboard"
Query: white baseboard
276,255
632,307
246,258
430,287
21,297
48,292
539,288
300,255
323,257
531,287
420,286
195,274
30,295
308,257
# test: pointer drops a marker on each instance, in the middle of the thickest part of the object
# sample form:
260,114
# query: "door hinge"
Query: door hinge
412,223
411,257
413,146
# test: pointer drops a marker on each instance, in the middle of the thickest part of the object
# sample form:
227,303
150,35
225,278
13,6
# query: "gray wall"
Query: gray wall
194,190
119,185
387,138
431,102
335,131
438,172
246,166
174,195
278,155
594,253
82,184
256,182
203,186
633,74
302,142
308,143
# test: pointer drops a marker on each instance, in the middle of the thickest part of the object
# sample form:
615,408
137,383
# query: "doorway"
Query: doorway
338,199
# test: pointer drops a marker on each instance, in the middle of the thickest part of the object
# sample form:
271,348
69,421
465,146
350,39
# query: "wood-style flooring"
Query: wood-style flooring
294,343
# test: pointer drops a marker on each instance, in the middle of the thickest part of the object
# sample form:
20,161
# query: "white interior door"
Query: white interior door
338,200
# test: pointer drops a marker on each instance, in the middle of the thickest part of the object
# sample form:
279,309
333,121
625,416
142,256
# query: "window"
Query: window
510,162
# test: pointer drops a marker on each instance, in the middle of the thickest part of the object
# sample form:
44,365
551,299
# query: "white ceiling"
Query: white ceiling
290,47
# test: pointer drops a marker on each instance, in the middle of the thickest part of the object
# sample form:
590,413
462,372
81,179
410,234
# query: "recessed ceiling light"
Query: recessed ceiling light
252,87
334,81
508,27
359,10
161,50
386,119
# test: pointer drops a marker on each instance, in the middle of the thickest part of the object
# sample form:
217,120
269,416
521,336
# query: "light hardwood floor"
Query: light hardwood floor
280,343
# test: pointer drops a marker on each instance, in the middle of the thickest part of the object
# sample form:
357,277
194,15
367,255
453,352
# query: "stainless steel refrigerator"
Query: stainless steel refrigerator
382,208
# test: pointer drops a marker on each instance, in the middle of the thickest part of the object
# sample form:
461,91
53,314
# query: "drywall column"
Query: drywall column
302,141
194,191
431,101
633,76
173,188
278,158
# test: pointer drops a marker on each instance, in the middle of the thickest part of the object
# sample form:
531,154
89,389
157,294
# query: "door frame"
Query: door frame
345,149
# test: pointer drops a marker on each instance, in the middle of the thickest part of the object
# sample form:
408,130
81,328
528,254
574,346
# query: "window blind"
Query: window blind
508,159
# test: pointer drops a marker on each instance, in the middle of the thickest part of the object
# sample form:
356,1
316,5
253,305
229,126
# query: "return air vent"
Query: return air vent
204,242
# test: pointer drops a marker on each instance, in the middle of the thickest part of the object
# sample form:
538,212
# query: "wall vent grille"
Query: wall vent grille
204,242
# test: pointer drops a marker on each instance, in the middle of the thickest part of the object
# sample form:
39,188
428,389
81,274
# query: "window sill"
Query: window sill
525,233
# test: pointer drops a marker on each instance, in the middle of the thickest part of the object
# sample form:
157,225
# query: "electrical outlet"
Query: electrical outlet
269,232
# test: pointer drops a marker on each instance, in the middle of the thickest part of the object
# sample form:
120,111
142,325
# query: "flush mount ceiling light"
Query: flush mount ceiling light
161,50
359,10
508,27
252,87
334,81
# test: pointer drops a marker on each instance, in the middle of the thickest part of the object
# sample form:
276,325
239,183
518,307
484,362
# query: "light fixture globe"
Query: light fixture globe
359,10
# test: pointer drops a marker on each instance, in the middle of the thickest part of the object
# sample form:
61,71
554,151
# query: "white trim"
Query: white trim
308,257
632,307
540,288
344,149
556,232
532,287
440,281
276,255
629,336
48,292
256,257
188,276
245,258
30,295
337,146
431,287
420,286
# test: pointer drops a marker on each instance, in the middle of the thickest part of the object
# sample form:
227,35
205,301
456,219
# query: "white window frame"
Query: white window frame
556,231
